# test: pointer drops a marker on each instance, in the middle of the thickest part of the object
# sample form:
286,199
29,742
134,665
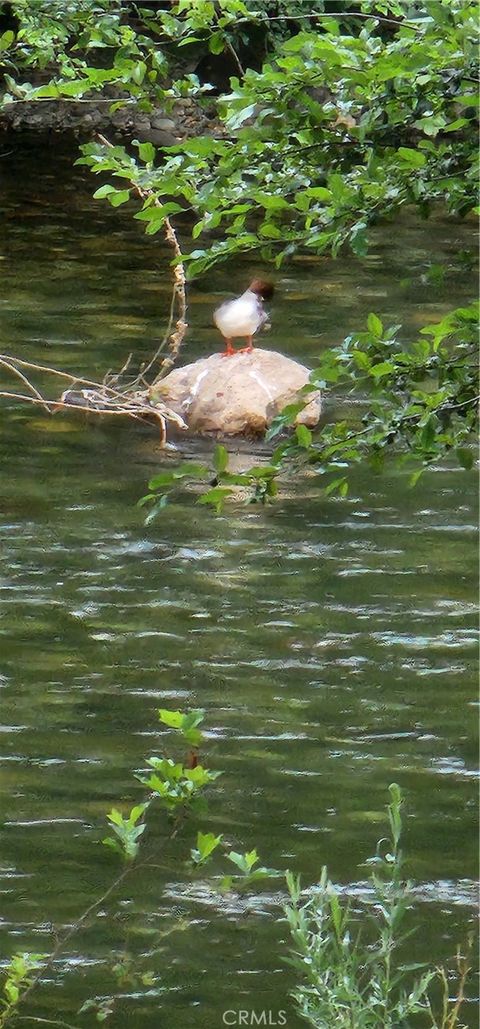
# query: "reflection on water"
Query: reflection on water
331,642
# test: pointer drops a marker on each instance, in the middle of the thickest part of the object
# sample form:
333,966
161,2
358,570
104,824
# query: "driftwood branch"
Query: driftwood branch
11,367
91,397
114,395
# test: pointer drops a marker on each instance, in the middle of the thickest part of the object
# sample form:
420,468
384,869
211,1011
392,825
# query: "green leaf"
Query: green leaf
216,43
384,368
119,197
465,457
362,360
162,479
454,126
244,862
236,120
191,470
319,193
187,724
468,100
220,458
414,158
304,436
415,476
159,506
6,39
173,719
375,326
215,497
103,191
151,213
206,844
146,152
270,231
431,125
358,239
139,72
336,486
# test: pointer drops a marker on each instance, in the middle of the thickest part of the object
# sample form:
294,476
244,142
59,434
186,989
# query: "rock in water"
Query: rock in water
238,395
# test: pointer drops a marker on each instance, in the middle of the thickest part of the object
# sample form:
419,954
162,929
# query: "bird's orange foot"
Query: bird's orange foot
249,347
229,351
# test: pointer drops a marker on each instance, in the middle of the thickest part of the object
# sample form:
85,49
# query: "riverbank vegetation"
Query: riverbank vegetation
348,975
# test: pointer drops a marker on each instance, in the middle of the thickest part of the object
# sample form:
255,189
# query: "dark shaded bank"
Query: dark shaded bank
84,118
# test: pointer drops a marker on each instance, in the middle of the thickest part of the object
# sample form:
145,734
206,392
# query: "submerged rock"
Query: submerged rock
238,395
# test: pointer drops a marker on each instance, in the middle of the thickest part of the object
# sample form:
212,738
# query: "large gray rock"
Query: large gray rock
236,395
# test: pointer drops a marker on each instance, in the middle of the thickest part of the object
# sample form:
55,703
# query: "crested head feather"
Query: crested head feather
262,287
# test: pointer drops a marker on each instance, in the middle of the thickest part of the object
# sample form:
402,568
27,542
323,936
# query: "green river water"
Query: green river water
332,643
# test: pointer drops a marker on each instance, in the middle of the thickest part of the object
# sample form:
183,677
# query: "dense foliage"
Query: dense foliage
350,117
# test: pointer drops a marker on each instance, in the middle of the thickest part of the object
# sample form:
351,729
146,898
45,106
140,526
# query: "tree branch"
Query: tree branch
177,336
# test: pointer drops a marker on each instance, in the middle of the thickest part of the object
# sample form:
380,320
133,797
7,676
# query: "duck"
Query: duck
244,316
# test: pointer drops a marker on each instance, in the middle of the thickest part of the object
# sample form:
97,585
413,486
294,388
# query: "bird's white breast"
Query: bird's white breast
241,317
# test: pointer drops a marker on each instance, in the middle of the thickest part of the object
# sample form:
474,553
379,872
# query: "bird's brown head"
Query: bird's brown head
262,288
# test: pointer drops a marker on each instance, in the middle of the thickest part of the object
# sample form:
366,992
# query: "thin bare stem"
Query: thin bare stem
60,404
179,278
74,928
96,399
463,968
235,56
339,16
73,379
16,371
68,100
59,946
138,412
162,345
47,1021
231,48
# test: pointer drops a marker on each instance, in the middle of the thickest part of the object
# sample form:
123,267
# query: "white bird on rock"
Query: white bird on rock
244,316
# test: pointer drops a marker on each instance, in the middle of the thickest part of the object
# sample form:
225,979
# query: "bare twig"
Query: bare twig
57,405
47,1021
138,408
82,919
338,15
463,969
73,379
69,100
177,336
91,397
5,363
233,52
59,946
146,368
